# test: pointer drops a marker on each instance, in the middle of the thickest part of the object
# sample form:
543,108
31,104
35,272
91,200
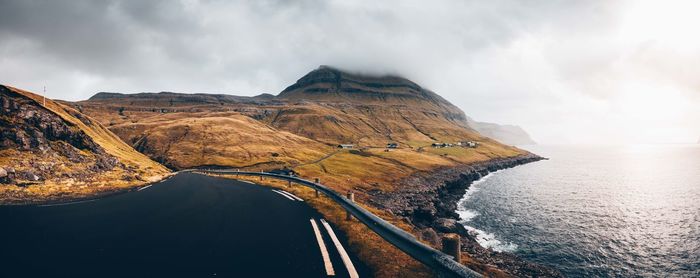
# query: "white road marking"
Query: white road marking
341,251
142,188
290,195
324,252
250,182
290,198
67,204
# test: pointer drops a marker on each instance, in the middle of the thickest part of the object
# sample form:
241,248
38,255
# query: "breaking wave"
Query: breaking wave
485,239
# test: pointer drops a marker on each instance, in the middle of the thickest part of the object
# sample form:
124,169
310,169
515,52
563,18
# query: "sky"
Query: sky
580,72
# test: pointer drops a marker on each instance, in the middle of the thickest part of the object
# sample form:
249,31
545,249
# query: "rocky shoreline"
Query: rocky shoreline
429,202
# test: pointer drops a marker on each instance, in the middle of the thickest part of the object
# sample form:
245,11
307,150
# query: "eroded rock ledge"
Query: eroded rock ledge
429,202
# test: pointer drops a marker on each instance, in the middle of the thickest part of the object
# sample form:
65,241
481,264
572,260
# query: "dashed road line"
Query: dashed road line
324,251
142,188
283,195
341,251
290,195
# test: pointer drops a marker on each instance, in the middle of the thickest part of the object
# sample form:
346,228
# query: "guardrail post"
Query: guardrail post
452,246
261,177
351,197
317,181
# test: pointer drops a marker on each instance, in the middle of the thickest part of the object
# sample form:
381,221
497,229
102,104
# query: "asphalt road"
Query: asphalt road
188,226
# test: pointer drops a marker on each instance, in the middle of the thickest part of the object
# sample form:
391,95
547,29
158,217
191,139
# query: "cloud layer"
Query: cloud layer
567,71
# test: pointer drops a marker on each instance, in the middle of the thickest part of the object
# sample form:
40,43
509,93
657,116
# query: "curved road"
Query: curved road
188,226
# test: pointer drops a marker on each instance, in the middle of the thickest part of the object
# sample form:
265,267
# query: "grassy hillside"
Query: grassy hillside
50,151
186,140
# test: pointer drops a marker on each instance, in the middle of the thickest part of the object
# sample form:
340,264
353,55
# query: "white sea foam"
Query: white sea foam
467,215
485,239
488,240
473,188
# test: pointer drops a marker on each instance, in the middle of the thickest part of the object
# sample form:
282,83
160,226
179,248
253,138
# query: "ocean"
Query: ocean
595,211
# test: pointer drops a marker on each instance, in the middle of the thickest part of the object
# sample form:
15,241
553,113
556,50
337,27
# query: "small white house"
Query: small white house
468,144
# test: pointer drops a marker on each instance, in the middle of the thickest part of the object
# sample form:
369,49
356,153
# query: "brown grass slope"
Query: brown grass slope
51,152
186,140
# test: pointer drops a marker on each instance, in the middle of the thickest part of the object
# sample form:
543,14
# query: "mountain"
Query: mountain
304,123
64,152
506,134
327,84
370,110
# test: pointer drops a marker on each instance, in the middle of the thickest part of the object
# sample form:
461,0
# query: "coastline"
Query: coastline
429,202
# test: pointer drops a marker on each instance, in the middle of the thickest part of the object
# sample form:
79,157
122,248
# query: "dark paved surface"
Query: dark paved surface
188,226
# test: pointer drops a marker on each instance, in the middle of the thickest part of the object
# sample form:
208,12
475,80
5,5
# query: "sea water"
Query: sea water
592,211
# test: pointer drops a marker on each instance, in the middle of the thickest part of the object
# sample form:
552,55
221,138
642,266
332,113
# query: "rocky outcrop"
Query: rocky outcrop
28,127
50,152
429,201
31,129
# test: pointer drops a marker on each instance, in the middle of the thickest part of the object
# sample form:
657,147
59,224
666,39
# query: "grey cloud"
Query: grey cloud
507,61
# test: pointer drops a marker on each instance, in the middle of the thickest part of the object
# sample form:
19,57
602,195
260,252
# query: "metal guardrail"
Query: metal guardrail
441,263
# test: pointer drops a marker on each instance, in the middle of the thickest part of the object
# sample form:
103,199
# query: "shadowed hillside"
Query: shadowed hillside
50,152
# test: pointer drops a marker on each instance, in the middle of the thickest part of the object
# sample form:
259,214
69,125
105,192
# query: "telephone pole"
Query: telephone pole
44,95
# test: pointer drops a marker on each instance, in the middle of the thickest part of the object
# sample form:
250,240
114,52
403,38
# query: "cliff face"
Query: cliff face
506,134
45,144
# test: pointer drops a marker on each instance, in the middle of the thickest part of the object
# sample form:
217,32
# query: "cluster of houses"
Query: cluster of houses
466,144
350,146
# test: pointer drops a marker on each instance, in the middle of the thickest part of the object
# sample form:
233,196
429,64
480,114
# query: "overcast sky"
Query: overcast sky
566,71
